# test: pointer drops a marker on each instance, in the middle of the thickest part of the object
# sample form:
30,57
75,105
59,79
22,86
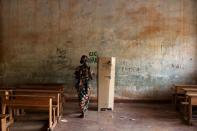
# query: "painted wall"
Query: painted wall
1,47
154,41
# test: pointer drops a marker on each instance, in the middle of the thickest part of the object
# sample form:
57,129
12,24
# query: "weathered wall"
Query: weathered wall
154,42
1,46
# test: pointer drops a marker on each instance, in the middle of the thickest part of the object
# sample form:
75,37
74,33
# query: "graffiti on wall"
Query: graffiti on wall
60,60
132,72
92,57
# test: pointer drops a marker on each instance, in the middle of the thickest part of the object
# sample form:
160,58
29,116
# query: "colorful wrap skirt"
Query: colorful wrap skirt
83,95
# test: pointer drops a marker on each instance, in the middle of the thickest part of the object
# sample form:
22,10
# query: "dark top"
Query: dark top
83,73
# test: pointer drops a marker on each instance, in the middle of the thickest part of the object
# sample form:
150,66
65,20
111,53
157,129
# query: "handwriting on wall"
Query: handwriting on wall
92,57
60,60
133,72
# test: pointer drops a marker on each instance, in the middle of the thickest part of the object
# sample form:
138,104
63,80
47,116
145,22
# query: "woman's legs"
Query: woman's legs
84,98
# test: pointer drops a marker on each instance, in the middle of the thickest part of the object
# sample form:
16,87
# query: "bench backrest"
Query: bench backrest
55,95
178,88
57,87
27,101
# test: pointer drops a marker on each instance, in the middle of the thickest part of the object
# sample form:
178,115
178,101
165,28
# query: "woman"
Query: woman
83,76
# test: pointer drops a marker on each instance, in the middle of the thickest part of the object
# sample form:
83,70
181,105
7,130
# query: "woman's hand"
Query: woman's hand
80,83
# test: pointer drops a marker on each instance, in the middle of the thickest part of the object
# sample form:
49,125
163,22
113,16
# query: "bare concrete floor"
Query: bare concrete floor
125,117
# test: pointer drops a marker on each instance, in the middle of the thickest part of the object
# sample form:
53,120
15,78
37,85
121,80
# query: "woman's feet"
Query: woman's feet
82,115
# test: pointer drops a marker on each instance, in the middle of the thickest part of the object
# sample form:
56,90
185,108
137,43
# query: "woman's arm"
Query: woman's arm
89,73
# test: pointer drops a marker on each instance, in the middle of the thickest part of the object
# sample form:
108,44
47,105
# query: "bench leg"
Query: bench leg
16,112
22,111
11,118
58,105
3,109
190,113
185,108
3,124
173,99
54,116
50,114
175,102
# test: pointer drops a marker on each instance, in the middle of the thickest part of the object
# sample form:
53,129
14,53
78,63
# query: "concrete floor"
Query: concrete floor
125,117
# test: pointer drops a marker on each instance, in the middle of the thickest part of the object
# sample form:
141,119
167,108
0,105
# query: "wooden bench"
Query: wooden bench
4,124
189,90
179,94
58,88
44,88
186,91
54,94
192,100
38,102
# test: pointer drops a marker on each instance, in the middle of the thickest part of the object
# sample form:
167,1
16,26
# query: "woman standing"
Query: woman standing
83,77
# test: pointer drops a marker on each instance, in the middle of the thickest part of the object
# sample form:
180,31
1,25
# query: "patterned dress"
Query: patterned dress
83,76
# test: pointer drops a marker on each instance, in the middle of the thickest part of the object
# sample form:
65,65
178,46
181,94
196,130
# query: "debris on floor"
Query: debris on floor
64,120
123,117
132,119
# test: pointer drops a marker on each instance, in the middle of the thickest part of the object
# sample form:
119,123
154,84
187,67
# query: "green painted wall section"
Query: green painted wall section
154,42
